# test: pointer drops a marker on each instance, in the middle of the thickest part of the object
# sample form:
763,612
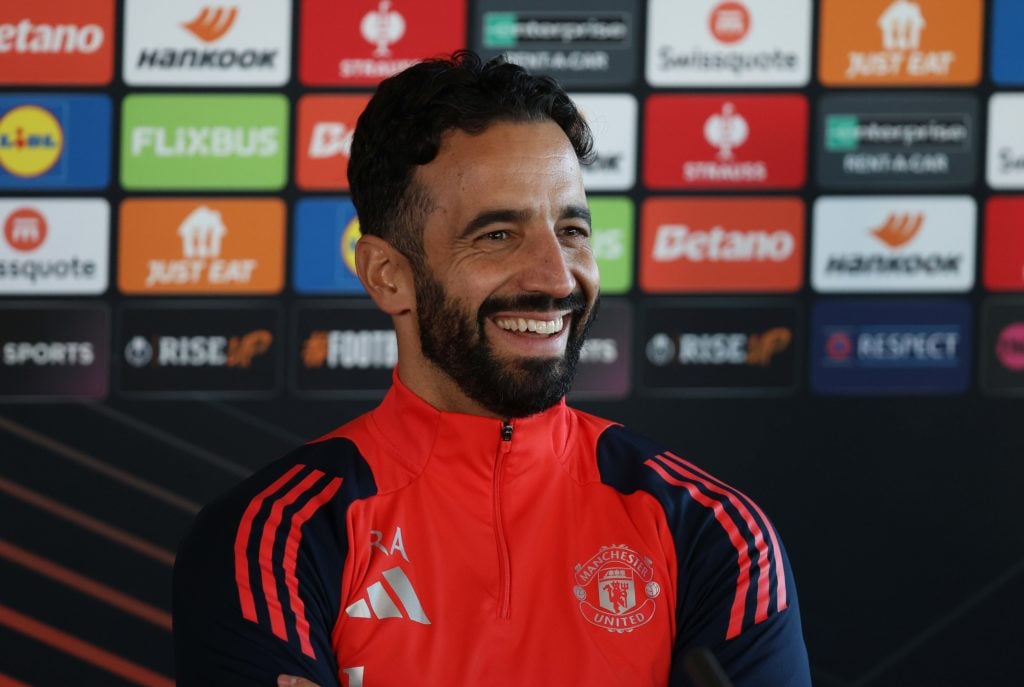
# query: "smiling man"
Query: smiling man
473,529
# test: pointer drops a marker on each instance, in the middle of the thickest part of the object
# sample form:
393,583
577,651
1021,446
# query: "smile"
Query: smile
521,324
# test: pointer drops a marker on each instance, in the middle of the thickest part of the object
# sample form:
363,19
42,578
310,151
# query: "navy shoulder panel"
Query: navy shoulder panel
258,578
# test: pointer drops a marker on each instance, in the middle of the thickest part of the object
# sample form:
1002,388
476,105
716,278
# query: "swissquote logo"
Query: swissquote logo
57,43
901,41
325,127
737,244
52,245
748,42
616,589
721,142
187,246
197,42
896,244
1005,167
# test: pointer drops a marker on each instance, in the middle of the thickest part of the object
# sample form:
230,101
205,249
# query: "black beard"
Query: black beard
507,388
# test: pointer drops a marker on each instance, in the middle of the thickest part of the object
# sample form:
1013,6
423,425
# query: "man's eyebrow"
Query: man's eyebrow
493,217
576,212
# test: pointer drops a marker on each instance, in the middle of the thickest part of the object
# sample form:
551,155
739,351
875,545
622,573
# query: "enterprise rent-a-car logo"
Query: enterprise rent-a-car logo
590,46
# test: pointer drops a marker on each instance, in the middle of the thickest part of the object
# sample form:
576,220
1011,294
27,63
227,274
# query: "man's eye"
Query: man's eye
576,231
496,235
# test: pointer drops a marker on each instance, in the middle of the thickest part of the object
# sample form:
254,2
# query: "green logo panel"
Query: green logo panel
613,241
841,132
220,142
500,29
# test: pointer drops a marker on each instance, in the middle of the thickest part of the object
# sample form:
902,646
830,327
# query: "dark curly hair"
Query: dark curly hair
402,126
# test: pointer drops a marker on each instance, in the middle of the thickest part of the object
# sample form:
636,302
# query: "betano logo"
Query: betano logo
912,41
181,246
325,125
729,22
212,23
27,37
25,230
31,141
729,245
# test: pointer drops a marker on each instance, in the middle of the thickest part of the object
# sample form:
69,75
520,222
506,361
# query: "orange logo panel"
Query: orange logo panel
325,126
733,245
900,42
201,246
57,42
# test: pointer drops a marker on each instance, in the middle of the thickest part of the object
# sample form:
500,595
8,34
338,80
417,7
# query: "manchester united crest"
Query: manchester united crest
616,589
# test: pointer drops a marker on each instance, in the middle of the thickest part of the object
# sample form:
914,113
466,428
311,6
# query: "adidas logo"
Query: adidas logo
382,605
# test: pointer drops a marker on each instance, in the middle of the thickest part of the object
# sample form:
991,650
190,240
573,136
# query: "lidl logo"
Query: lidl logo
54,245
1004,244
54,141
325,127
890,347
31,141
739,141
326,232
207,246
50,42
195,42
728,44
204,142
901,42
212,23
724,245
361,42
894,244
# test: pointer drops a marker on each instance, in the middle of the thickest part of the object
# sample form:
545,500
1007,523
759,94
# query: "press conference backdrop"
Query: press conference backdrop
809,219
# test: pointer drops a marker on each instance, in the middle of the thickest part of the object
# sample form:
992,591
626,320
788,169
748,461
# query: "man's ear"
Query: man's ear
386,275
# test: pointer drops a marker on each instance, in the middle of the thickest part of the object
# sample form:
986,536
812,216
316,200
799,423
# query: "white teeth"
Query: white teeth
520,324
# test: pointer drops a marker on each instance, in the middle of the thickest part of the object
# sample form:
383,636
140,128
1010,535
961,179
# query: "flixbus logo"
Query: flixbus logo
57,42
193,42
204,141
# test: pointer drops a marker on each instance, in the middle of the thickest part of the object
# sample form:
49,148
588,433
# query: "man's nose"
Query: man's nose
546,266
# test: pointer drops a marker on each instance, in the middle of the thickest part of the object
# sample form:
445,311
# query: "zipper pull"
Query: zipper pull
506,431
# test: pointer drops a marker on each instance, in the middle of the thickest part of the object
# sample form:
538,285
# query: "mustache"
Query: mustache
575,303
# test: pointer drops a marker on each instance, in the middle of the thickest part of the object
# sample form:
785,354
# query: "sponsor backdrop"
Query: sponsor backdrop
809,219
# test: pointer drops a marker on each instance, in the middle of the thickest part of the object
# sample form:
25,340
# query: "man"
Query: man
473,529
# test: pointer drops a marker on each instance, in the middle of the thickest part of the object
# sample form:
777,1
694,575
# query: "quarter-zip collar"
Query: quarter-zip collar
415,429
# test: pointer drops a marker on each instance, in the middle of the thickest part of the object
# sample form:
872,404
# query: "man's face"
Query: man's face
509,285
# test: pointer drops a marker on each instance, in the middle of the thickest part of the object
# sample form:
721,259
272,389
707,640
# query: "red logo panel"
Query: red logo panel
727,245
1004,244
725,141
57,42
325,126
361,42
